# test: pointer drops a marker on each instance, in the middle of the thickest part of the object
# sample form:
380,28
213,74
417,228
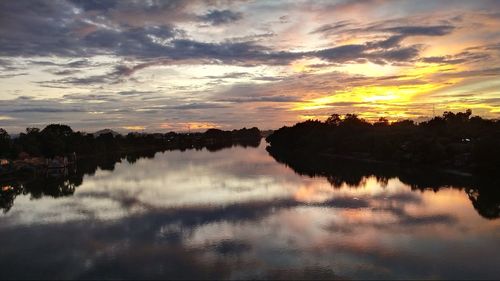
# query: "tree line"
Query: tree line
453,140
58,140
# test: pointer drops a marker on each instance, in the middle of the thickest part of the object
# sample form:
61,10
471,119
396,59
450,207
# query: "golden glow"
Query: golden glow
390,100
299,66
190,125
370,69
420,70
4,117
368,96
134,128
312,117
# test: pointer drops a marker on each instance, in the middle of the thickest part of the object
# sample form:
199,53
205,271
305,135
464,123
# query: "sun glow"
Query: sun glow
134,128
187,126
376,100
368,96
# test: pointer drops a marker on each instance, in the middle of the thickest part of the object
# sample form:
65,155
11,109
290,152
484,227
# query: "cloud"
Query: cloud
218,17
96,5
369,51
436,30
64,72
167,43
30,29
460,58
10,75
277,98
248,61
44,110
197,106
93,80
328,28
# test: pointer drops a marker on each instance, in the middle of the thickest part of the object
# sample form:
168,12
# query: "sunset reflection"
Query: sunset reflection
243,209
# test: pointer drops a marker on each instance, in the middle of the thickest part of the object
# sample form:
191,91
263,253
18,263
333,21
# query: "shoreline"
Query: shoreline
326,156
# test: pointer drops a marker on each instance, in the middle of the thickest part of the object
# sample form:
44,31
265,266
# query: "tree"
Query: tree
54,139
58,130
382,122
333,120
5,143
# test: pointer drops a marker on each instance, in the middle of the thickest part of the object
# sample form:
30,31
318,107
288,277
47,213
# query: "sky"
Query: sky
158,66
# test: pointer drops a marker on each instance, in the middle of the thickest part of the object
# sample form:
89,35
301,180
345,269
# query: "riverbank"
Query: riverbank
457,143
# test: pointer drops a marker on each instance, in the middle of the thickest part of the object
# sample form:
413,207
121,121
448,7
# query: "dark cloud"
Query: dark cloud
90,97
134,93
231,75
240,75
83,81
41,28
136,42
392,41
328,28
79,63
369,51
10,75
436,30
44,110
277,98
96,5
197,106
342,53
395,55
463,57
218,17
64,72
41,33
495,71
9,66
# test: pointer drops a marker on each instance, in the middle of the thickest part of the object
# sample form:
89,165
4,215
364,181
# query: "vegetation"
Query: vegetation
58,140
96,151
454,140
482,190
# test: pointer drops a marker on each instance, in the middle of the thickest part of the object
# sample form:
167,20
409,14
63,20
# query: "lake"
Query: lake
237,213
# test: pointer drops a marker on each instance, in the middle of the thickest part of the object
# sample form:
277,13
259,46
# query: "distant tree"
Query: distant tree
54,139
382,122
32,131
5,143
58,130
333,120
353,121
403,123
455,140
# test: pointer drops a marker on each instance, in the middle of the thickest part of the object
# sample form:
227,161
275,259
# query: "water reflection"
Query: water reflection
483,191
237,213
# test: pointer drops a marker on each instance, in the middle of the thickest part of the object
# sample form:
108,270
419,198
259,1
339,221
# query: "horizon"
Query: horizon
193,65
122,131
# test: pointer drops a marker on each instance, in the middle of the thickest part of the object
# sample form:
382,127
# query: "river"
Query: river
238,213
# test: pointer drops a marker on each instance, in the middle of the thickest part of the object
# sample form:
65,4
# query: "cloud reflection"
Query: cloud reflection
241,217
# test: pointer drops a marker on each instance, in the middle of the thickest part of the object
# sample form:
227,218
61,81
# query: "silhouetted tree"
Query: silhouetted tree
333,120
455,140
5,144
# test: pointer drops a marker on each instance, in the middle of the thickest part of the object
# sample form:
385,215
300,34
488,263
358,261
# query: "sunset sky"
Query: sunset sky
159,66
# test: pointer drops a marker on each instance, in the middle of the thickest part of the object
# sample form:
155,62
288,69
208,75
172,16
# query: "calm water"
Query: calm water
237,213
